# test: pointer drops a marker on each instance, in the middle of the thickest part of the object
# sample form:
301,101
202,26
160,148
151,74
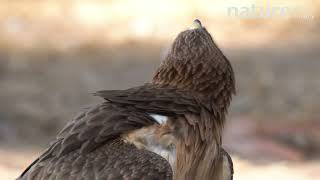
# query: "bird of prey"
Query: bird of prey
169,128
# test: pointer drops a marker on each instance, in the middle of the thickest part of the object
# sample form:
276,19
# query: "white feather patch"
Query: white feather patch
159,118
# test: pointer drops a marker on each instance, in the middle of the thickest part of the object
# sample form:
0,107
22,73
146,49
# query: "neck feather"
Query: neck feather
198,147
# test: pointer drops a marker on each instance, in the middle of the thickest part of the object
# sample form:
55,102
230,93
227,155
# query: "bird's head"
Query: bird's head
194,62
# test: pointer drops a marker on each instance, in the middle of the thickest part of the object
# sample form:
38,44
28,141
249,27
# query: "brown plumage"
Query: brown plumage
123,138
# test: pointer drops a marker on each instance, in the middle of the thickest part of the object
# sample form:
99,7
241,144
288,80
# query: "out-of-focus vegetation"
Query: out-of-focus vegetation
53,54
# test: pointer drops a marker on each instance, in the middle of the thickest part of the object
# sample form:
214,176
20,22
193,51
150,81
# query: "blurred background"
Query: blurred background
53,54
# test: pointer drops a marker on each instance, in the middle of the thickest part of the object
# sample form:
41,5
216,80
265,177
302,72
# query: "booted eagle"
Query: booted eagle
167,129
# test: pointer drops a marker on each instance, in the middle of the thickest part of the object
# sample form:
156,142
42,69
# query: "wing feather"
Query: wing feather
90,131
164,101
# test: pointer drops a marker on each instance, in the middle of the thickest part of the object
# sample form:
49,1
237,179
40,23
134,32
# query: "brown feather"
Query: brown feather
193,87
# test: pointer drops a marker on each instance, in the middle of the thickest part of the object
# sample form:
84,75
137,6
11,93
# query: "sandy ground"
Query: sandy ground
12,164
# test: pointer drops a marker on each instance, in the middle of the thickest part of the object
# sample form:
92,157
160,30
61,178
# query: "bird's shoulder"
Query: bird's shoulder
93,128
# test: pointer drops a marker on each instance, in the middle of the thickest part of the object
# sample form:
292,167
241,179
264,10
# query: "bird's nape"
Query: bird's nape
196,63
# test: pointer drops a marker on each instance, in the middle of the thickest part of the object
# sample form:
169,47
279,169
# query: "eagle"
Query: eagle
168,128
